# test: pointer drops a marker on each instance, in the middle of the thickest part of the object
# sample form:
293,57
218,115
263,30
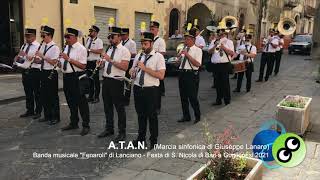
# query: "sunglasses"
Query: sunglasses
67,36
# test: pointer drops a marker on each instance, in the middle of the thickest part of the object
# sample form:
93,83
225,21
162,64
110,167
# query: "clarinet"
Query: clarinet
33,57
56,64
98,64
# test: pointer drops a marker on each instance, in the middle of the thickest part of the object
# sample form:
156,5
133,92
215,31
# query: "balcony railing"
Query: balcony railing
309,11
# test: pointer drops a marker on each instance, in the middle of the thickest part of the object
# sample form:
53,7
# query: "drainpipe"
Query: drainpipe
61,21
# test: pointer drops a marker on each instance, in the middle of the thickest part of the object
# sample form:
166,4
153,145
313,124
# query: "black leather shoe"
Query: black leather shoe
105,133
227,103
184,120
259,80
43,120
120,137
96,100
37,116
90,99
158,111
69,127
85,131
196,121
266,79
53,122
318,81
248,90
216,104
236,90
27,114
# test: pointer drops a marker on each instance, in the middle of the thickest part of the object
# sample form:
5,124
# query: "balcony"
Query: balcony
309,11
290,4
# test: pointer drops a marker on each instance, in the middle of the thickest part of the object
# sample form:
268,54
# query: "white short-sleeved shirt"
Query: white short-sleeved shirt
212,43
52,53
216,58
194,52
200,41
130,45
268,47
159,45
156,63
247,48
78,53
241,41
32,51
121,54
96,44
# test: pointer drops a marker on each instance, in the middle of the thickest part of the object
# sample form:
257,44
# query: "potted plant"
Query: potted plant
294,113
227,163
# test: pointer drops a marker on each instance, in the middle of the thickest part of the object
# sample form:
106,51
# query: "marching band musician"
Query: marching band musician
279,52
191,58
247,53
268,55
159,45
222,52
94,47
30,75
117,60
132,47
200,42
148,68
213,39
74,60
48,56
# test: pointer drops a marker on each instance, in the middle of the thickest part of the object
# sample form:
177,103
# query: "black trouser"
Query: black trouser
112,94
278,61
248,73
49,95
266,59
144,100
31,85
95,84
127,92
76,101
188,88
222,83
161,91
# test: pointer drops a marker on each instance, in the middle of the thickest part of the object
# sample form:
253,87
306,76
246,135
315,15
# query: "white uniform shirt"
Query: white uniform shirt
268,47
78,53
96,44
200,41
278,47
241,41
251,49
212,43
216,58
159,45
130,45
121,54
156,62
52,53
194,52
32,50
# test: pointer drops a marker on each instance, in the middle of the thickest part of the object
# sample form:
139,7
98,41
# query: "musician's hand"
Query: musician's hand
39,55
64,56
29,58
132,74
22,53
141,66
107,57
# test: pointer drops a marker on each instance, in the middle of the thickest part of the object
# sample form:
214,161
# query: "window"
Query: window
174,21
74,1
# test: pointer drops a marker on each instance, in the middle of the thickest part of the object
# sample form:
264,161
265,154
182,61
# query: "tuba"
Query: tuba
230,22
287,26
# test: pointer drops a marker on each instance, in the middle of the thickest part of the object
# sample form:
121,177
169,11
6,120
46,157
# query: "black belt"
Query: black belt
148,87
187,70
110,78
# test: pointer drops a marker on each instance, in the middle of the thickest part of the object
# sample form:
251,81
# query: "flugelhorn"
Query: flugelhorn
287,26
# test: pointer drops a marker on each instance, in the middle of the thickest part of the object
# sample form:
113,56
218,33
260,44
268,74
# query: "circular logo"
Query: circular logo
289,150
262,144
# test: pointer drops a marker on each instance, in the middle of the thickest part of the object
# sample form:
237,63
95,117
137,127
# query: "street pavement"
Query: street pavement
20,138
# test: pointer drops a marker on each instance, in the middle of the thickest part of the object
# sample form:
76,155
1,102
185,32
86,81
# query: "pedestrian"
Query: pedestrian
213,38
279,53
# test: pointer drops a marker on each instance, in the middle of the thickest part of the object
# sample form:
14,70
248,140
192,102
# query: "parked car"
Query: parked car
171,55
301,44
